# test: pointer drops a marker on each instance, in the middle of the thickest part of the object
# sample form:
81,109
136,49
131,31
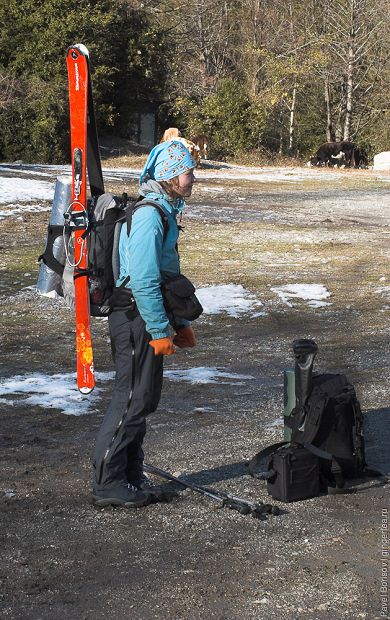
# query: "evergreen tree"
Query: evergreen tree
128,62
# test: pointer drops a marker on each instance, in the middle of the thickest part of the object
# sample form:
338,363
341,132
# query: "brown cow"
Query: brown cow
193,149
170,134
202,142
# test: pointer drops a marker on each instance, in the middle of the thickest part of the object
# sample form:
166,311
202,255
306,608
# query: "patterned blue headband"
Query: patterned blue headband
167,160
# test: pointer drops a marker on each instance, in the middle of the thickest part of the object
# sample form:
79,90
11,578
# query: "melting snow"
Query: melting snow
57,391
268,174
233,299
16,189
203,374
313,294
16,209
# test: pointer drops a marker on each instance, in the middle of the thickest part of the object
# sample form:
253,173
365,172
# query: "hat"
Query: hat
167,160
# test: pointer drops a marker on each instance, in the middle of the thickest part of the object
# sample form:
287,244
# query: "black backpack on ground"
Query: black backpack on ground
327,442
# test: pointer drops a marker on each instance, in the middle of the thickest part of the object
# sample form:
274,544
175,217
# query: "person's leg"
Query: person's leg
136,393
110,484
135,458
147,395
120,333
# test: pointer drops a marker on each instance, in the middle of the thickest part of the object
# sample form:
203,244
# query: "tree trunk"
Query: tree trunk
258,23
350,74
292,120
281,134
349,97
339,127
329,125
204,52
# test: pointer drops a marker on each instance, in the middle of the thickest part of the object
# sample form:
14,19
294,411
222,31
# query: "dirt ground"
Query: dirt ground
187,560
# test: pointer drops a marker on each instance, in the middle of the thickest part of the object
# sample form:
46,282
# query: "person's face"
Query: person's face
184,183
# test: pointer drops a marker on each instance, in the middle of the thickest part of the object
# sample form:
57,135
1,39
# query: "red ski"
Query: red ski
78,79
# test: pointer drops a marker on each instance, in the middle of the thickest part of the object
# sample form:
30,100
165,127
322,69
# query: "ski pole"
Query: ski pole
224,499
245,506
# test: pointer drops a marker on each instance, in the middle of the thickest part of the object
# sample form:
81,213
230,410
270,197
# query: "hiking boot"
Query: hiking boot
124,494
155,491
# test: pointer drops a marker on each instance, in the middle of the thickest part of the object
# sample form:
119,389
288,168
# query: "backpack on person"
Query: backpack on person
110,213
326,447
107,217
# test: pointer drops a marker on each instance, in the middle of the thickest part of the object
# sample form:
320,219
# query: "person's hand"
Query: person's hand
163,346
185,337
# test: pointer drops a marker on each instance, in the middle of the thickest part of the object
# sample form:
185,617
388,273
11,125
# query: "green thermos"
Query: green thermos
289,397
297,382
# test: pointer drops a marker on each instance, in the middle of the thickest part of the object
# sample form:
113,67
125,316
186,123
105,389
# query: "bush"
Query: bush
228,116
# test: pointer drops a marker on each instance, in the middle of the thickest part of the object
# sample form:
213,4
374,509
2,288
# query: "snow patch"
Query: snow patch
313,294
14,189
276,423
204,188
58,391
17,209
269,174
202,374
233,299
383,290
28,169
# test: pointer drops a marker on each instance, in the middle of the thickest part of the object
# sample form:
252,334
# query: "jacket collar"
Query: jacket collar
152,189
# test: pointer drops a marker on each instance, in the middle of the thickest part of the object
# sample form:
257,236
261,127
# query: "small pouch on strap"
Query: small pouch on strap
180,299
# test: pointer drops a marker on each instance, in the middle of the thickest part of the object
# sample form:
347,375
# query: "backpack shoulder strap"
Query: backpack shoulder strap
127,216
147,202
358,434
306,428
48,257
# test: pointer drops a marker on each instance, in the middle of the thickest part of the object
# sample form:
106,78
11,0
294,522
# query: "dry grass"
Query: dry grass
252,158
265,158
125,161
120,153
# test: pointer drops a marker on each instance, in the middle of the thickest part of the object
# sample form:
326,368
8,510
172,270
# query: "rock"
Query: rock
382,161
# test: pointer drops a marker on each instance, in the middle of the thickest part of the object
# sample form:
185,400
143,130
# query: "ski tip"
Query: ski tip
85,390
80,47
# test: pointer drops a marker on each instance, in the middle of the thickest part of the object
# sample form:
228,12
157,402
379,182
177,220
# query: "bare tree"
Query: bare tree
356,46
299,61
201,35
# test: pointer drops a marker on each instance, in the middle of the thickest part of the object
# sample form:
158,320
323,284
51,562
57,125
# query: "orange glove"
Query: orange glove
163,346
185,337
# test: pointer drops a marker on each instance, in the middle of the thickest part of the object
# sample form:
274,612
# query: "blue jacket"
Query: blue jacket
149,259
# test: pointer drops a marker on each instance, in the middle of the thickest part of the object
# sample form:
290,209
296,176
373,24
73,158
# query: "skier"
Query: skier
139,331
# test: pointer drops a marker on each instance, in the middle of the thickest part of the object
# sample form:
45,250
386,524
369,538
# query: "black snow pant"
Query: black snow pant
137,391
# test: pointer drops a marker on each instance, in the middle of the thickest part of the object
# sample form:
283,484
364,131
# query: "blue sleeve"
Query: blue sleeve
145,251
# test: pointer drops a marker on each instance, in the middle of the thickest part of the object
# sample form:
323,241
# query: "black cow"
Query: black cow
330,151
361,159
338,161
